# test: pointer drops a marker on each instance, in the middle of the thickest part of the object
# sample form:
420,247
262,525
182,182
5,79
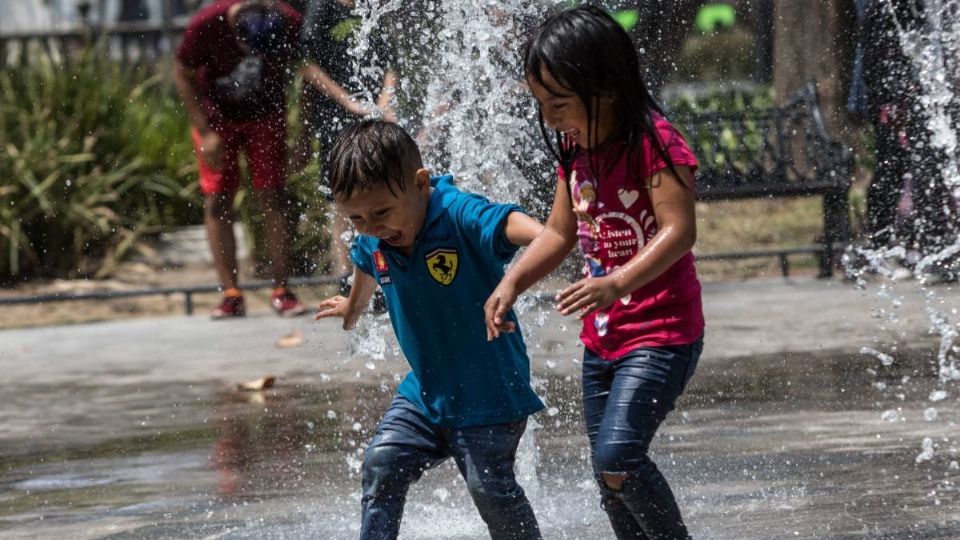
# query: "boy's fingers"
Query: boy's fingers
507,327
499,313
331,302
489,312
491,333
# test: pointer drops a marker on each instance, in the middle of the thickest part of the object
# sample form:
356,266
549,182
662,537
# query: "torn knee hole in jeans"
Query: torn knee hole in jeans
614,480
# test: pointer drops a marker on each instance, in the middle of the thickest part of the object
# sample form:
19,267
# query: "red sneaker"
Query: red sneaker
285,303
230,307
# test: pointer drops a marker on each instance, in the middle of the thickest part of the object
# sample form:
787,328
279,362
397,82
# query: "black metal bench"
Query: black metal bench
771,153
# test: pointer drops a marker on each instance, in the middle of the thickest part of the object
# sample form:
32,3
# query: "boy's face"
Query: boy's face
565,112
395,219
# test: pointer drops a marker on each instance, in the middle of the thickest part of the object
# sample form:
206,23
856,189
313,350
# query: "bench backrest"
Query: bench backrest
783,151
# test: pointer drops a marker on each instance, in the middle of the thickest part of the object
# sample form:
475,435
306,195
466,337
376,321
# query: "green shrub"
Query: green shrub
93,156
737,150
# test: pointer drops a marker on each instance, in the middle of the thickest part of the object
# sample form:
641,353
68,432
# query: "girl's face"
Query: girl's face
565,112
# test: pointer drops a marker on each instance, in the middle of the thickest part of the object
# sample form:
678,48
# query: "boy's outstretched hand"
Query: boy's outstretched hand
496,308
338,306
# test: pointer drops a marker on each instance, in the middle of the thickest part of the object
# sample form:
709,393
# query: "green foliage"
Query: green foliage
731,148
713,16
93,157
627,18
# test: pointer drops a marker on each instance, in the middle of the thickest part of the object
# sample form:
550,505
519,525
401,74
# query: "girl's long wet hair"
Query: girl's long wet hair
589,54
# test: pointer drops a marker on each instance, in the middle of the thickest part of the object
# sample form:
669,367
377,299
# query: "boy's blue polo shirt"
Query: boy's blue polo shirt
435,298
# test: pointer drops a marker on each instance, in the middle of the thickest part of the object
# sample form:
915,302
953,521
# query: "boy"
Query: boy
437,253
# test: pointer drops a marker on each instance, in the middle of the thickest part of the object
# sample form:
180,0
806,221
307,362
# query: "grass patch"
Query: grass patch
757,224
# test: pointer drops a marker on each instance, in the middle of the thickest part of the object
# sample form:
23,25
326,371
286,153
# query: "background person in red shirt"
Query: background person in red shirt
232,69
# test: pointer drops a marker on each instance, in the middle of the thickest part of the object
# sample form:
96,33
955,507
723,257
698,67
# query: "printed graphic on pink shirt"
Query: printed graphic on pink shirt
609,235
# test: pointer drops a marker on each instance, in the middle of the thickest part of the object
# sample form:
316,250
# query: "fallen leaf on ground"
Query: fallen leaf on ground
293,339
257,384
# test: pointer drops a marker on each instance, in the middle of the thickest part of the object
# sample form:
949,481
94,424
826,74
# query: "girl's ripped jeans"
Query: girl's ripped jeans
624,402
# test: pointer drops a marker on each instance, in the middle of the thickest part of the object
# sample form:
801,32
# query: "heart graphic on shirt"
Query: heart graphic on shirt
626,299
628,197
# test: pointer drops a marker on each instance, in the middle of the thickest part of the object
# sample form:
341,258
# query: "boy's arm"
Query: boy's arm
349,308
520,229
545,254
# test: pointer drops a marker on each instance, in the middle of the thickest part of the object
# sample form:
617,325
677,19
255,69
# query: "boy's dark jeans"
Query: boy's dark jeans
406,444
624,402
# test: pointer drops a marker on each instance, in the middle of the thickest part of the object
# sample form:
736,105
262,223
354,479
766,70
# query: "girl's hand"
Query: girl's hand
337,306
496,308
588,295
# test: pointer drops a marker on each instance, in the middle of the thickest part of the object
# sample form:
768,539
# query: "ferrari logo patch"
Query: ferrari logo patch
442,264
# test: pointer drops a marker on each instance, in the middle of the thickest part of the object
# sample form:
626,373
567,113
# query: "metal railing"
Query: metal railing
782,255
127,42
187,292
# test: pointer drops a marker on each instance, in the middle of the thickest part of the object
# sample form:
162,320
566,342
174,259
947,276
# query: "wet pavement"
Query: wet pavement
134,429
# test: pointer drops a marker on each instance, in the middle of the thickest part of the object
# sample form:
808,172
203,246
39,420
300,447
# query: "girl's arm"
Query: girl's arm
521,229
349,308
673,207
544,254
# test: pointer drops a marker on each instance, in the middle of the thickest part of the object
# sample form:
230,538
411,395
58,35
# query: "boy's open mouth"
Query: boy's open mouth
393,238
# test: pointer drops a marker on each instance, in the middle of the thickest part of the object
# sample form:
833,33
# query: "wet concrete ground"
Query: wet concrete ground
133,429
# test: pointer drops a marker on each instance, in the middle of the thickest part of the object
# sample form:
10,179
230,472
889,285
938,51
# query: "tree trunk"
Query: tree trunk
813,40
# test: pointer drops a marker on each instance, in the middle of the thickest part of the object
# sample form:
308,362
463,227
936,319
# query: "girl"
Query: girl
626,192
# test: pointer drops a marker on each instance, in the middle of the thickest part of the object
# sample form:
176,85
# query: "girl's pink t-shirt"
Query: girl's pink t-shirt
615,221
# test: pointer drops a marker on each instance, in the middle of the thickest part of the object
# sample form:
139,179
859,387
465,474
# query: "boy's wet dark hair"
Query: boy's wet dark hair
372,153
592,56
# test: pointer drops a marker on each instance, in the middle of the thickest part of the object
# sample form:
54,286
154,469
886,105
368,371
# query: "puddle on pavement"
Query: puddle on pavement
781,445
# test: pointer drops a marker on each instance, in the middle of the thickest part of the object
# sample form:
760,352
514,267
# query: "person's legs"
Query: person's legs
485,456
934,220
405,445
277,233
645,386
218,218
218,187
883,194
266,148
